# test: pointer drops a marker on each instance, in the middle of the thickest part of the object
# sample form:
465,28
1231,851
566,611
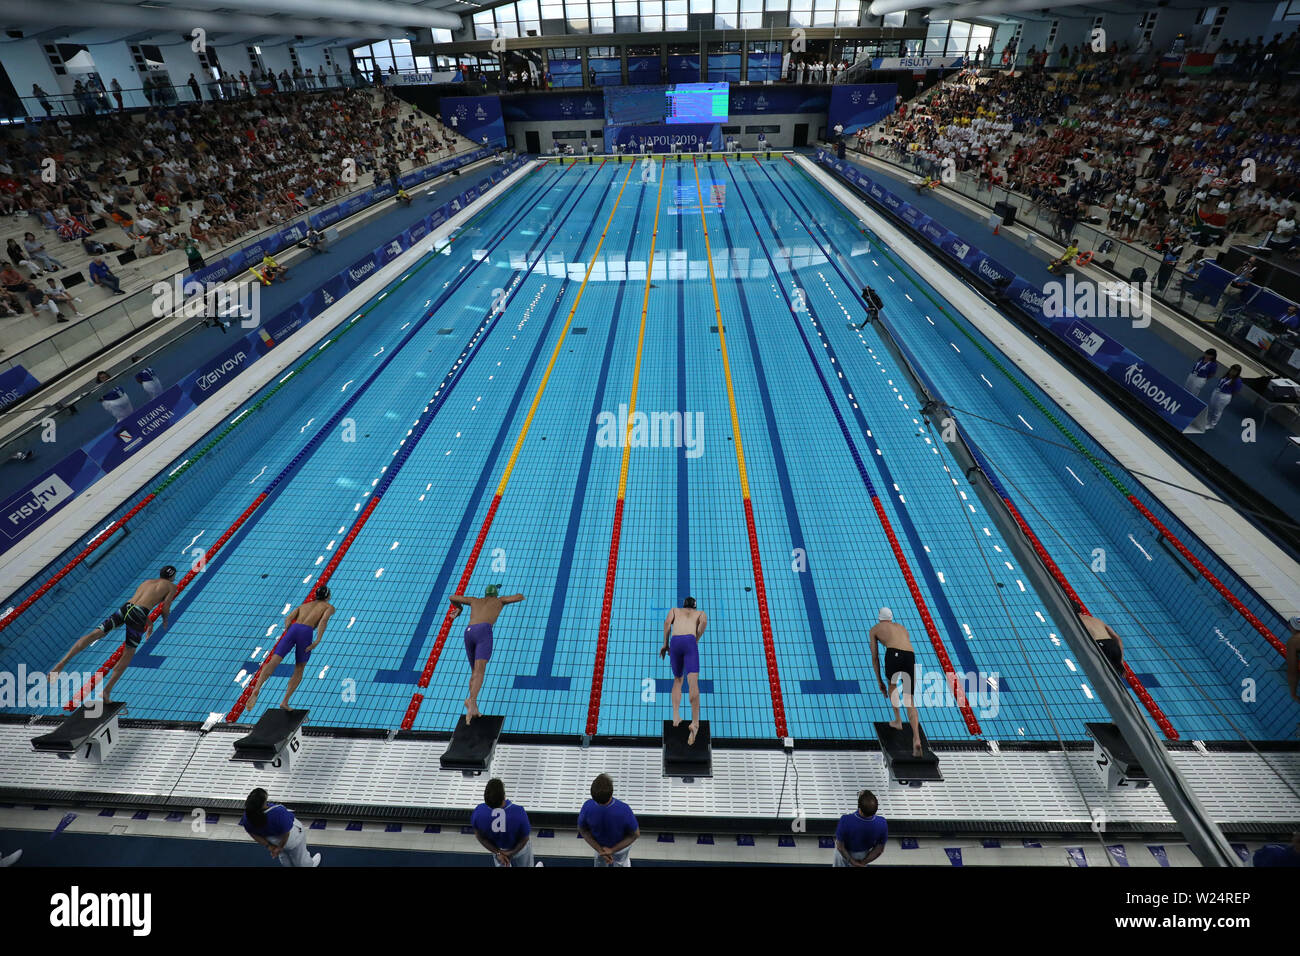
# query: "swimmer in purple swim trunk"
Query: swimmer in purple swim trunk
306,620
478,637
683,628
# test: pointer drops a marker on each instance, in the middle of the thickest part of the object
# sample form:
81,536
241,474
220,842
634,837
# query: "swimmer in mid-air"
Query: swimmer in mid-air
483,614
683,628
304,621
900,662
134,615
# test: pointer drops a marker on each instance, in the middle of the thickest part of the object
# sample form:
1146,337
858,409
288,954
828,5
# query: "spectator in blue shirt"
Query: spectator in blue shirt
1290,318
101,274
502,827
1228,386
860,836
276,828
608,825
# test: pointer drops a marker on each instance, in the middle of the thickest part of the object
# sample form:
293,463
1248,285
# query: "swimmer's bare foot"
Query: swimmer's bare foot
916,746
471,710
284,705
695,729
896,724
676,721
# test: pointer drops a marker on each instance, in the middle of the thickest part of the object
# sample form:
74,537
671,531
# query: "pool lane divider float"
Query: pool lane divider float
986,467
417,698
900,558
278,482
756,560
1251,618
616,536
99,539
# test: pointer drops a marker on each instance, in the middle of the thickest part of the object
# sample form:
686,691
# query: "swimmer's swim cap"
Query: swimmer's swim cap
689,602
1295,623
323,593
492,590
168,572
886,614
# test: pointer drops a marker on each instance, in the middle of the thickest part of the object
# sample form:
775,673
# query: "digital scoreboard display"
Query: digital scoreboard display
680,103
698,103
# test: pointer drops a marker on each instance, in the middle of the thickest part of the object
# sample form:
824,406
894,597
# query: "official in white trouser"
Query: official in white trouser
1228,386
116,403
150,382
276,828
1206,367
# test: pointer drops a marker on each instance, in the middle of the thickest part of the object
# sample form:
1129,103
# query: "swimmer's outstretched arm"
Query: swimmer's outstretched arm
461,599
512,599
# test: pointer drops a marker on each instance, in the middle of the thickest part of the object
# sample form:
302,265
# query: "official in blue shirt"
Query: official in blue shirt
1206,367
1228,386
608,825
276,828
860,837
502,827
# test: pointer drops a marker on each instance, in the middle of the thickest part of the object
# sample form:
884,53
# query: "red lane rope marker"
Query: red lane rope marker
611,567
413,708
1158,715
1206,573
95,542
108,665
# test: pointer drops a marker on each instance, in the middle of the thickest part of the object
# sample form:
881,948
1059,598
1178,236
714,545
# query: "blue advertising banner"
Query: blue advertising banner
14,384
416,232
477,116
28,509
138,429
858,105
553,107
361,270
216,271
680,137
388,252
216,372
327,217
683,69
989,269
438,216
316,302
642,69
747,101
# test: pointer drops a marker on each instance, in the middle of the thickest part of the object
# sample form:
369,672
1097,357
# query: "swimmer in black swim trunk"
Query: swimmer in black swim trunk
900,665
134,616
1108,642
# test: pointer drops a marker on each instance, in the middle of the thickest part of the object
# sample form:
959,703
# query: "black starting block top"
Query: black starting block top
683,760
1114,746
897,748
77,728
269,735
472,744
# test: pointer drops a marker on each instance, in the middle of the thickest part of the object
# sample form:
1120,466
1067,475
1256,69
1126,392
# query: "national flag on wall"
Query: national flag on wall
270,342
1198,63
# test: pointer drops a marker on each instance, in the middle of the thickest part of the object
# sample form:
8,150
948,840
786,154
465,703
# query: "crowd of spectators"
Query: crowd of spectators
1177,163
195,177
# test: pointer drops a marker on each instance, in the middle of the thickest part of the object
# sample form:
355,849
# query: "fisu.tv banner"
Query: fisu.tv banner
917,64
477,116
30,507
857,106
1147,385
680,137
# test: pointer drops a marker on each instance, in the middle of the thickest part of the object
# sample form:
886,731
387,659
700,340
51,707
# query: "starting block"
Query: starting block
896,748
276,741
472,745
1115,762
687,761
89,735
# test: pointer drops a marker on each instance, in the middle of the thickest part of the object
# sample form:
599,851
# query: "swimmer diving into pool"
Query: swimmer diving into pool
134,615
302,623
483,614
683,628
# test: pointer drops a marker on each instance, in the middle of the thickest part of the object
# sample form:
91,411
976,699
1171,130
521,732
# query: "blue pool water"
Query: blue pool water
441,387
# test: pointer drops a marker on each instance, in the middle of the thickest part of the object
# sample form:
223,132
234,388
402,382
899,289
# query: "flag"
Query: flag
270,342
1198,63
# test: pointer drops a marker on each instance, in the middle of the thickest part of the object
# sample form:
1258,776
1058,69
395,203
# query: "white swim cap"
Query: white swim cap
1295,623
886,614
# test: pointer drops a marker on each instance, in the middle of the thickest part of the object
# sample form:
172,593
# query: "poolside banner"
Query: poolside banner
990,270
327,217
285,323
139,429
14,384
917,64
856,106
553,107
387,253
477,116
216,372
1156,391
770,101
664,138
28,509
361,270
